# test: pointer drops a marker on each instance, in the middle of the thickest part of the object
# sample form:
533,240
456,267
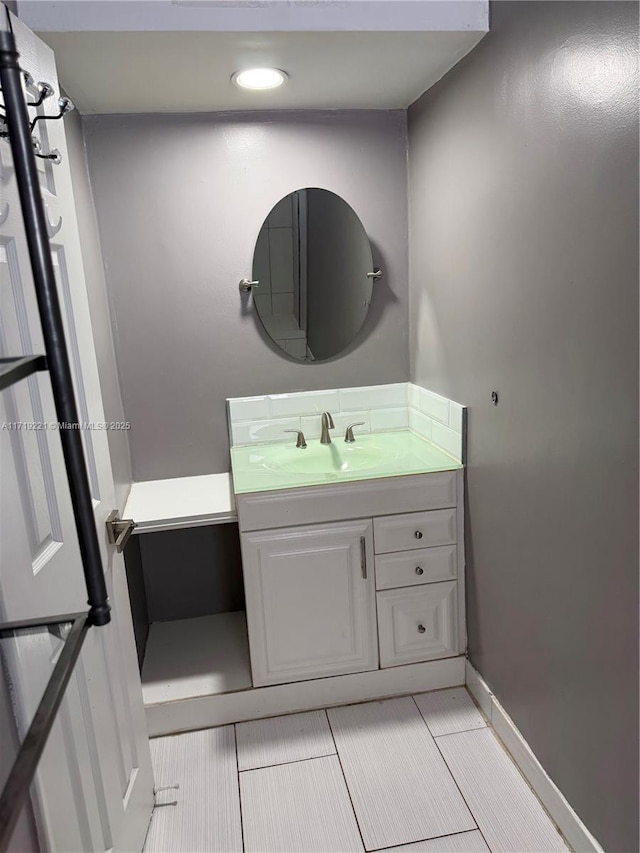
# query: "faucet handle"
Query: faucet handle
348,436
301,441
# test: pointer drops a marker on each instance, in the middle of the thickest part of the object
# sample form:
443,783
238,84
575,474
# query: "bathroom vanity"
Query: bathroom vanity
368,586
355,575
352,559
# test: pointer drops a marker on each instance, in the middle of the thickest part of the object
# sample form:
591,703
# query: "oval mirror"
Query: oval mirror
313,265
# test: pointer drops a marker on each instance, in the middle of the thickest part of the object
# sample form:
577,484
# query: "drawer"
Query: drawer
412,568
417,623
415,530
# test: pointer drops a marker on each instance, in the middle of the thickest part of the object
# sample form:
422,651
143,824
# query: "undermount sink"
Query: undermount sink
319,458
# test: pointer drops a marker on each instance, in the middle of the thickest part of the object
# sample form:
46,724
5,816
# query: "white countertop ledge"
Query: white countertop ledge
181,502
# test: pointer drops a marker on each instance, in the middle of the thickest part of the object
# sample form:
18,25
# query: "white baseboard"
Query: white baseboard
203,712
573,829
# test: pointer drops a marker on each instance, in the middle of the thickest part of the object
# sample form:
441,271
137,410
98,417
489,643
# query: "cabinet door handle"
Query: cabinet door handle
418,534
363,556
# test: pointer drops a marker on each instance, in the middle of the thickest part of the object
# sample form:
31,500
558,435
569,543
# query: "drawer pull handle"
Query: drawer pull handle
418,534
421,629
419,570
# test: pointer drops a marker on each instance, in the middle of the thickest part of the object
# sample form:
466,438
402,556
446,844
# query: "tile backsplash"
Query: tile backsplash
438,419
253,420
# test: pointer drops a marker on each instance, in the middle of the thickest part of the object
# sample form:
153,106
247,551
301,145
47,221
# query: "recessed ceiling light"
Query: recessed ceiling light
259,78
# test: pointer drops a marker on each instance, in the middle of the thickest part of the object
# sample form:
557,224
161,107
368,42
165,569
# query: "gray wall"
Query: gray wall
180,200
194,572
98,306
523,185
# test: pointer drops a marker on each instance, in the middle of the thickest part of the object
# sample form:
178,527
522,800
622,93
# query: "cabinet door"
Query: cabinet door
310,601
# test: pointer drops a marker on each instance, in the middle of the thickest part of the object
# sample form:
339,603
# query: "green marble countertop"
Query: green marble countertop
266,467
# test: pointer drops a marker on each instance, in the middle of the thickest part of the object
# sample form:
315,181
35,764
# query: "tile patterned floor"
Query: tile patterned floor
421,774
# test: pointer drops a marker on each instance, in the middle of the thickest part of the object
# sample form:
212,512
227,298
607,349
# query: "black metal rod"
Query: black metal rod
24,164
8,629
16,788
12,370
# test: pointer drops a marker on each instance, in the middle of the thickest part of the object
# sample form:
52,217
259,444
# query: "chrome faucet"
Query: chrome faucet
348,436
327,424
301,441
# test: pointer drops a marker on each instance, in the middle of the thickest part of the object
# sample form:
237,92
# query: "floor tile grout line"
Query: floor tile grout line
283,763
235,742
471,812
446,734
420,840
460,732
346,784
464,732
474,818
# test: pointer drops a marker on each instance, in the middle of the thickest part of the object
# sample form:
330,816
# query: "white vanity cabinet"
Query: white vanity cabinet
311,598
342,596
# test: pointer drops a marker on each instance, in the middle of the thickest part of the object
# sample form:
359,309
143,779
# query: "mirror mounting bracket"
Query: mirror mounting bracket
376,274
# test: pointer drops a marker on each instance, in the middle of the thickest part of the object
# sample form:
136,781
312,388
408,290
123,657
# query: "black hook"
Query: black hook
45,92
65,106
44,89
53,155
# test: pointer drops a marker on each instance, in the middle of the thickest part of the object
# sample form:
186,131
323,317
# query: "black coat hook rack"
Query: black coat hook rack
45,91
64,106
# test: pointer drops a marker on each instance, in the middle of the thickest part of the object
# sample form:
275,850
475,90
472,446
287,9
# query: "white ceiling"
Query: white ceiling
138,72
234,16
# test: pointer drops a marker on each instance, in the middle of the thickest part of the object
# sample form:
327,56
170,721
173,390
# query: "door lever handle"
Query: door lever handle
119,530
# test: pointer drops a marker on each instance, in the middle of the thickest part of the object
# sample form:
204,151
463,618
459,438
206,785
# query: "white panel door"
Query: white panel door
94,788
310,601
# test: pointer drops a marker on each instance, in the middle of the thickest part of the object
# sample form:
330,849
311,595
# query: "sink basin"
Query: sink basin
265,467
319,458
